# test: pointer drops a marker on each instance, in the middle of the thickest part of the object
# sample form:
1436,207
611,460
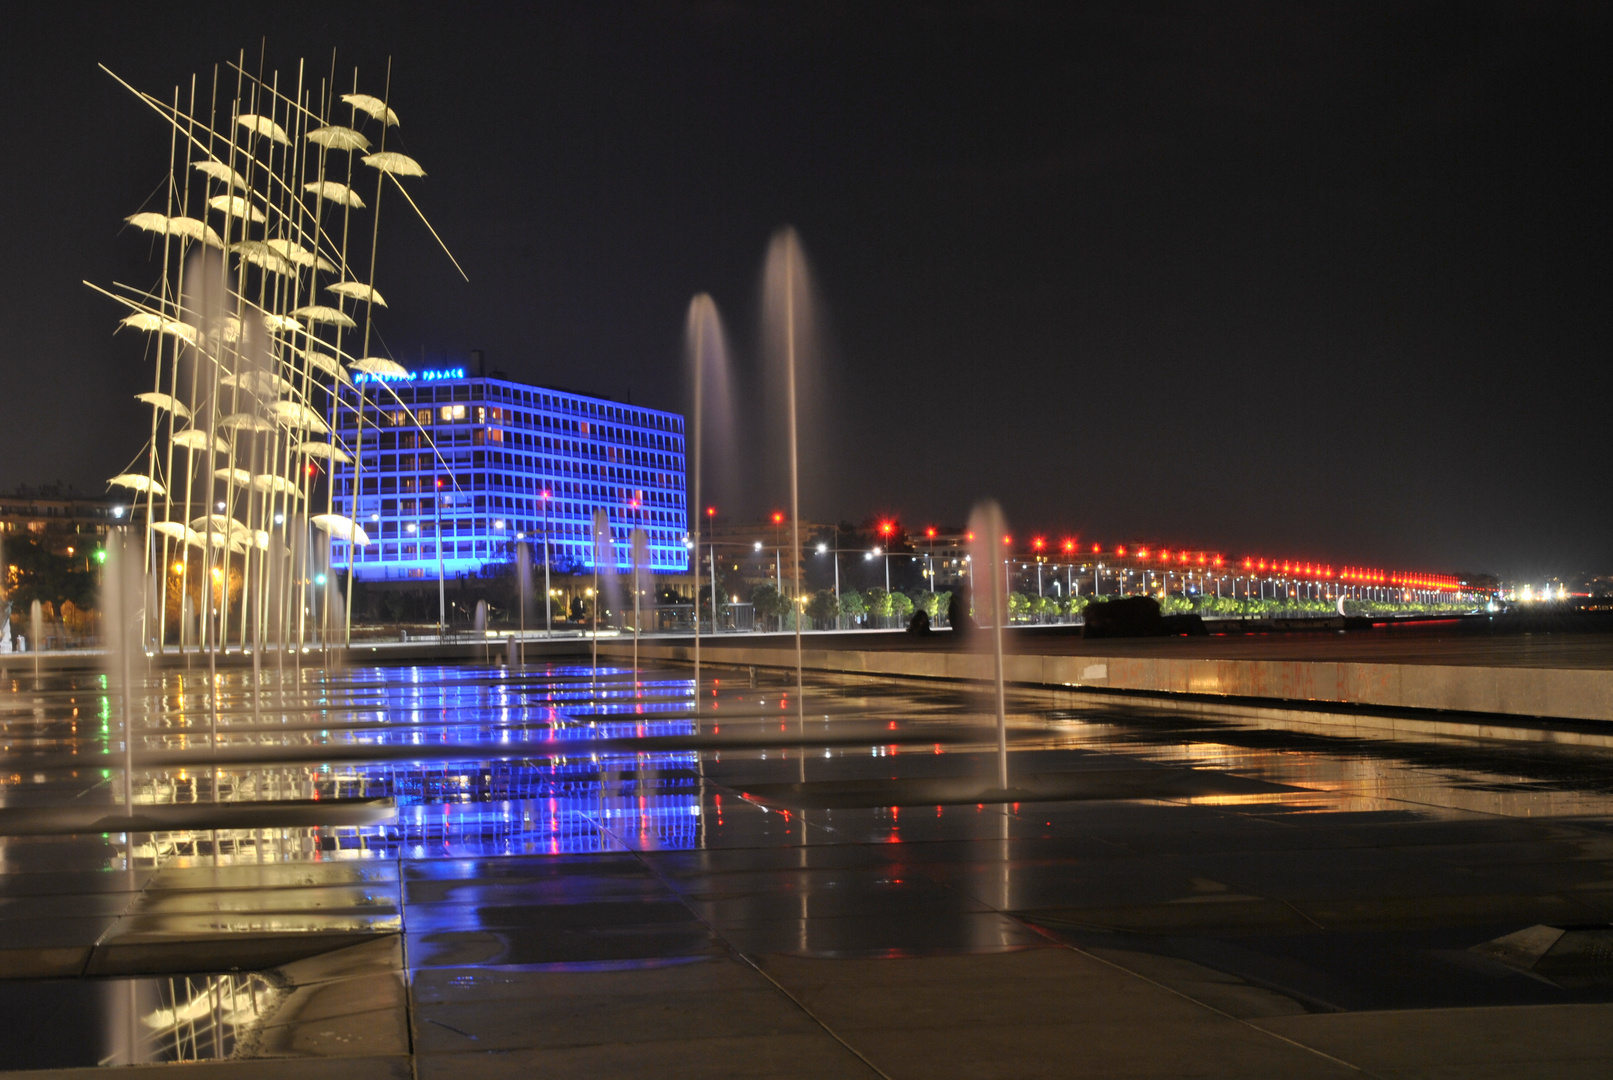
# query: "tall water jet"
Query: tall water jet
523,588
987,544
123,617
36,631
788,320
706,353
641,582
604,552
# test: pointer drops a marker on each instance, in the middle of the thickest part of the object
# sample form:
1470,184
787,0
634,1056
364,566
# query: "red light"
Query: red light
885,528
1096,549
545,494
1165,556
1142,553
1069,545
1008,539
1038,543
930,533
711,511
1121,551
778,518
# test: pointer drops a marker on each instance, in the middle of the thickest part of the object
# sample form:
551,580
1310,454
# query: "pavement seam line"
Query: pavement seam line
1061,943
754,966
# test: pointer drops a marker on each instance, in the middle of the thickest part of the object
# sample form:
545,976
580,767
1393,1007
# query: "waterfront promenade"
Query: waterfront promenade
1413,667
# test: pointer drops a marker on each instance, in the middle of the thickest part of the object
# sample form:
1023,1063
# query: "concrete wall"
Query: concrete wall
1569,693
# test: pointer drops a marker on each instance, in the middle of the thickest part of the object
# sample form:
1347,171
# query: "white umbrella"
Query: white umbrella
227,532
294,415
175,226
324,450
164,401
245,421
261,254
240,476
236,207
220,172
264,126
324,362
357,290
138,482
340,194
281,324
145,320
336,137
379,365
396,164
196,439
372,105
295,252
181,532
319,313
276,485
258,382
342,528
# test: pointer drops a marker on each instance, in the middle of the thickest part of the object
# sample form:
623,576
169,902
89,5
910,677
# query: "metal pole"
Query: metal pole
836,554
548,618
442,588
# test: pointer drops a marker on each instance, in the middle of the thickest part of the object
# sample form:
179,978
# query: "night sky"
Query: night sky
1316,281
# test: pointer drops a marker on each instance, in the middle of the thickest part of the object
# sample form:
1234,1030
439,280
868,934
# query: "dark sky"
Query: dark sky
1326,281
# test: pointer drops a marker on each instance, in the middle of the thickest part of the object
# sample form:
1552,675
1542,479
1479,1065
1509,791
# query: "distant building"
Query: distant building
465,461
66,522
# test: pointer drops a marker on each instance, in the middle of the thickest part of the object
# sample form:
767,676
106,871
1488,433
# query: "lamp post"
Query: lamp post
442,577
548,600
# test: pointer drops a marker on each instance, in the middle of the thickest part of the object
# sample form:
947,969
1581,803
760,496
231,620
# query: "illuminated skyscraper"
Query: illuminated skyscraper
467,460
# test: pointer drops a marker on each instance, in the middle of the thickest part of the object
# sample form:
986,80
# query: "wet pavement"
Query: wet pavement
1174,892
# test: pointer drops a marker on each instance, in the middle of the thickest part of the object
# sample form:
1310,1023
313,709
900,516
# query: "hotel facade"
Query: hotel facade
465,466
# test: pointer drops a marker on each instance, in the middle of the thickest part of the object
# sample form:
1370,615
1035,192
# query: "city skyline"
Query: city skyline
1114,285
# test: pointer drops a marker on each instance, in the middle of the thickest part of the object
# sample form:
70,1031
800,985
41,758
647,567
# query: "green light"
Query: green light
319,579
100,555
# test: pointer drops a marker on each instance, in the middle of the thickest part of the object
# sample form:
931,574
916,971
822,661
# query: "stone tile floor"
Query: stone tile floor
1322,922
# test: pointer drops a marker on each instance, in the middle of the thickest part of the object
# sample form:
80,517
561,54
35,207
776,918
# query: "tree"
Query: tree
852,605
901,605
823,607
768,602
879,603
35,573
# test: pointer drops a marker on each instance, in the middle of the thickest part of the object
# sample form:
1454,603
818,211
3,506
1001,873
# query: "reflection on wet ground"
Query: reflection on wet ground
809,909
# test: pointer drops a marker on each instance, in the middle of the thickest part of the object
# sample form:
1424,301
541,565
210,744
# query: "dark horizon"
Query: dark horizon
1324,283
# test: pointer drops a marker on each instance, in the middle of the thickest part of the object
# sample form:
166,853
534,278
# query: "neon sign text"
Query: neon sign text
429,375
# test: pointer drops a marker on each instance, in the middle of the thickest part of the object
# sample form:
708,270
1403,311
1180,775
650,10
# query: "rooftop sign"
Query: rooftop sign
428,375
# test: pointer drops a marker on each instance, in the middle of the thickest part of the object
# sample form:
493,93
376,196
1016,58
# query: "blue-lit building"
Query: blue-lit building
466,459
